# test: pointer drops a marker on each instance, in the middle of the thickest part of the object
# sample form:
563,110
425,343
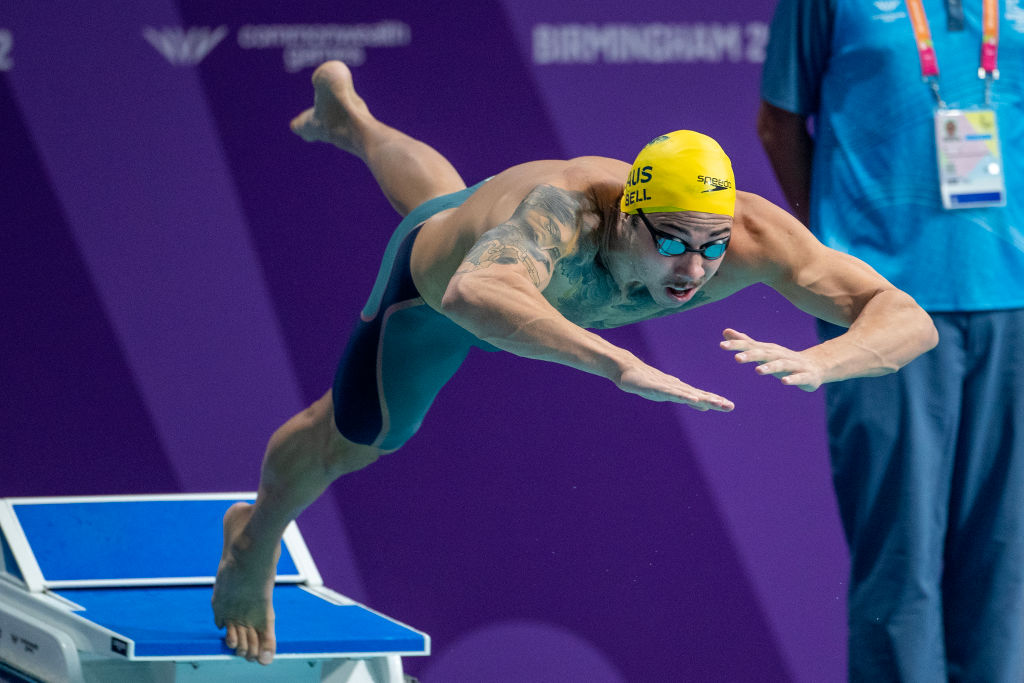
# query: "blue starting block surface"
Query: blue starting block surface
176,622
132,577
64,537
114,541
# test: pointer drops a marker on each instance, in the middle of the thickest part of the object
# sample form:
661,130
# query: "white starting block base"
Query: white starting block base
282,671
89,592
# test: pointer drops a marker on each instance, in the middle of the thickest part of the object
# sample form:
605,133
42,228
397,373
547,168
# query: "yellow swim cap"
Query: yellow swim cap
681,171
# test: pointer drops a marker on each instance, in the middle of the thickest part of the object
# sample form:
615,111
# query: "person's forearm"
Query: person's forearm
510,313
790,149
890,331
516,318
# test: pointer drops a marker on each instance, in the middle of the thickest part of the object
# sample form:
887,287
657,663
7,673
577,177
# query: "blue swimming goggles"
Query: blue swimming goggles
670,245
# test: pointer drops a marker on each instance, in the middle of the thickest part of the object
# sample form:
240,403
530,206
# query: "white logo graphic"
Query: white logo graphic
1015,15
306,45
6,47
657,43
891,10
184,48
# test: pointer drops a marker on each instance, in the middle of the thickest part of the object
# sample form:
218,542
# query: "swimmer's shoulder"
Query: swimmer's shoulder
765,237
590,171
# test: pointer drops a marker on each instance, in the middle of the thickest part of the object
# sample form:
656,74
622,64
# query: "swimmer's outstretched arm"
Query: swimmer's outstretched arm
496,295
886,327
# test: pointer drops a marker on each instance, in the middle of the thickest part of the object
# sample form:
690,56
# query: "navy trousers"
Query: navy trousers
928,467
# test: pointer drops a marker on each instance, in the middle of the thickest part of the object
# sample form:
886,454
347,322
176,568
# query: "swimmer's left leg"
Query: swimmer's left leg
408,171
303,457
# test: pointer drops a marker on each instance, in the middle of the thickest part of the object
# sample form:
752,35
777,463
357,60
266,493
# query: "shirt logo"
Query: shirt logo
889,11
1015,15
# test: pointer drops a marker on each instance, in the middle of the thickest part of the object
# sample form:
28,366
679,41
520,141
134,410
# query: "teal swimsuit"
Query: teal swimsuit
402,351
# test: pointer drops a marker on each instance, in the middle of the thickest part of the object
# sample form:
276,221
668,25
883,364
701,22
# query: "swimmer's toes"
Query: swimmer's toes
241,640
268,647
306,126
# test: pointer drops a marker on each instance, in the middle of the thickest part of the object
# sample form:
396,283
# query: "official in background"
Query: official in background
913,163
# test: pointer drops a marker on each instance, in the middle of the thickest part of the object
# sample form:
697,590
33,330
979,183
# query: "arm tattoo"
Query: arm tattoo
496,247
544,224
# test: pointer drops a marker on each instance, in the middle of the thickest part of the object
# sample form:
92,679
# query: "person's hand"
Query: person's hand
655,385
793,368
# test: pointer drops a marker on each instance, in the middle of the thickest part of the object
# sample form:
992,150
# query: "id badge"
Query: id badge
970,158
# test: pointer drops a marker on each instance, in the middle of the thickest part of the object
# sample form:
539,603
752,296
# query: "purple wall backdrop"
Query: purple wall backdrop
178,273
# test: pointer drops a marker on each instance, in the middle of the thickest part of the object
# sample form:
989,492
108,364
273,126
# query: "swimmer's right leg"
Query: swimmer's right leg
303,457
408,171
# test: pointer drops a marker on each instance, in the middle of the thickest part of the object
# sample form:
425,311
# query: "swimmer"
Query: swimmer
526,262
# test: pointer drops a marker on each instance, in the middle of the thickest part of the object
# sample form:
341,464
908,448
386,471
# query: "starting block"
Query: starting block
119,588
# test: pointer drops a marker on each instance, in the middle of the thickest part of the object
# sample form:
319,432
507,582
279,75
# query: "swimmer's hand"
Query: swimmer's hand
793,368
655,385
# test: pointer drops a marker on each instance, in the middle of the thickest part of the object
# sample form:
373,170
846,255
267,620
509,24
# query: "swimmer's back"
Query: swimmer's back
447,237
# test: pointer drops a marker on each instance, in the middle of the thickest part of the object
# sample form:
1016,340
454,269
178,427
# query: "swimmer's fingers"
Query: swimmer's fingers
697,399
748,349
793,372
730,334
793,368
705,400
654,385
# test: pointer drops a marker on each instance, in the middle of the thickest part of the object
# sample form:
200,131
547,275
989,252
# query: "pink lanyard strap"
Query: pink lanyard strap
923,37
926,48
989,39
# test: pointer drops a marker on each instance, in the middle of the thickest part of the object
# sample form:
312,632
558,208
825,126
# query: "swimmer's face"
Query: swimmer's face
684,251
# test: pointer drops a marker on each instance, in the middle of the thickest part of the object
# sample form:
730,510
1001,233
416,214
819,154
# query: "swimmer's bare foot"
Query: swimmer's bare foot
337,112
242,594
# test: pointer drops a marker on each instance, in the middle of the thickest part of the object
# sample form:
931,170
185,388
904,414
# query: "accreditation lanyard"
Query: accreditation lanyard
926,48
968,152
